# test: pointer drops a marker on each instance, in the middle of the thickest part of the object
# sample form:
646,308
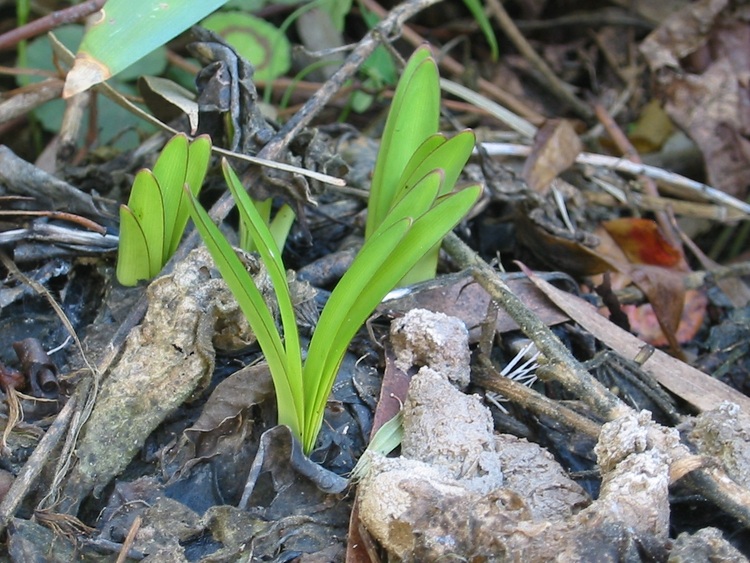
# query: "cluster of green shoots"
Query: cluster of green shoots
412,207
153,221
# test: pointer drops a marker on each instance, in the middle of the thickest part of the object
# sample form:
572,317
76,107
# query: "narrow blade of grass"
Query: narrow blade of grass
477,10
271,256
254,308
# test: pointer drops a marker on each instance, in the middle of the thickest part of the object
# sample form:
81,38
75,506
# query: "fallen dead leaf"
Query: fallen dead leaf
700,390
555,149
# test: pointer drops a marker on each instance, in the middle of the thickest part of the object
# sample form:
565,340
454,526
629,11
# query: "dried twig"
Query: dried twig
628,167
43,25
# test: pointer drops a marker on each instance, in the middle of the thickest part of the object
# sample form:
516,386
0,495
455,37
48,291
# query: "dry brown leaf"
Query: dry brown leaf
555,149
700,390
701,62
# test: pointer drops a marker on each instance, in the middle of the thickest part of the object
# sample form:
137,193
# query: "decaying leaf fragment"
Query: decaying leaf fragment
555,149
700,62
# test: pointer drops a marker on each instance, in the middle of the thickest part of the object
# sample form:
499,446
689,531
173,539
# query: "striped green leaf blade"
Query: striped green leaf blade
254,308
372,257
127,30
318,377
147,206
425,232
413,117
198,157
133,253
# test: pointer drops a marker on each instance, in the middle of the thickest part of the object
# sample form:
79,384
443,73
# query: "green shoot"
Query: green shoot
152,223
411,148
280,225
386,439
414,225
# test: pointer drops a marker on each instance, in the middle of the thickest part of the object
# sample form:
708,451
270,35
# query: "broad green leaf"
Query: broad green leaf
271,256
199,154
354,298
425,232
477,10
133,255
414,116
416,201
254,308
362,298
451,156
338,9
430,145
127,30
169,171
318,377
147,206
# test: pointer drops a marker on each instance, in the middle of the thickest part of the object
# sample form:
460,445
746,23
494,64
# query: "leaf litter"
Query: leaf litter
180,460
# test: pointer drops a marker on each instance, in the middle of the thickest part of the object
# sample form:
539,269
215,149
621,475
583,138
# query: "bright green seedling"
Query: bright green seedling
411,148
153,221
411,227
279,226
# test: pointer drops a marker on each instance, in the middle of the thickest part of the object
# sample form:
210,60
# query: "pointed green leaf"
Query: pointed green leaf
429,146
365,284
254,308
451,156
198,157
416,201
133,253
414,116
348,292
147,206
477,10
169,171
271,256
127,30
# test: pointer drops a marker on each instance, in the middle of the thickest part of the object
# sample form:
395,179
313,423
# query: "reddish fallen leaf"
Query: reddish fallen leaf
665,292
555,149
644,323
642,242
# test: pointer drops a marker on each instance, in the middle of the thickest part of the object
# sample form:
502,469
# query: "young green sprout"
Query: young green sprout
414,225
412,148
153,221
413,205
